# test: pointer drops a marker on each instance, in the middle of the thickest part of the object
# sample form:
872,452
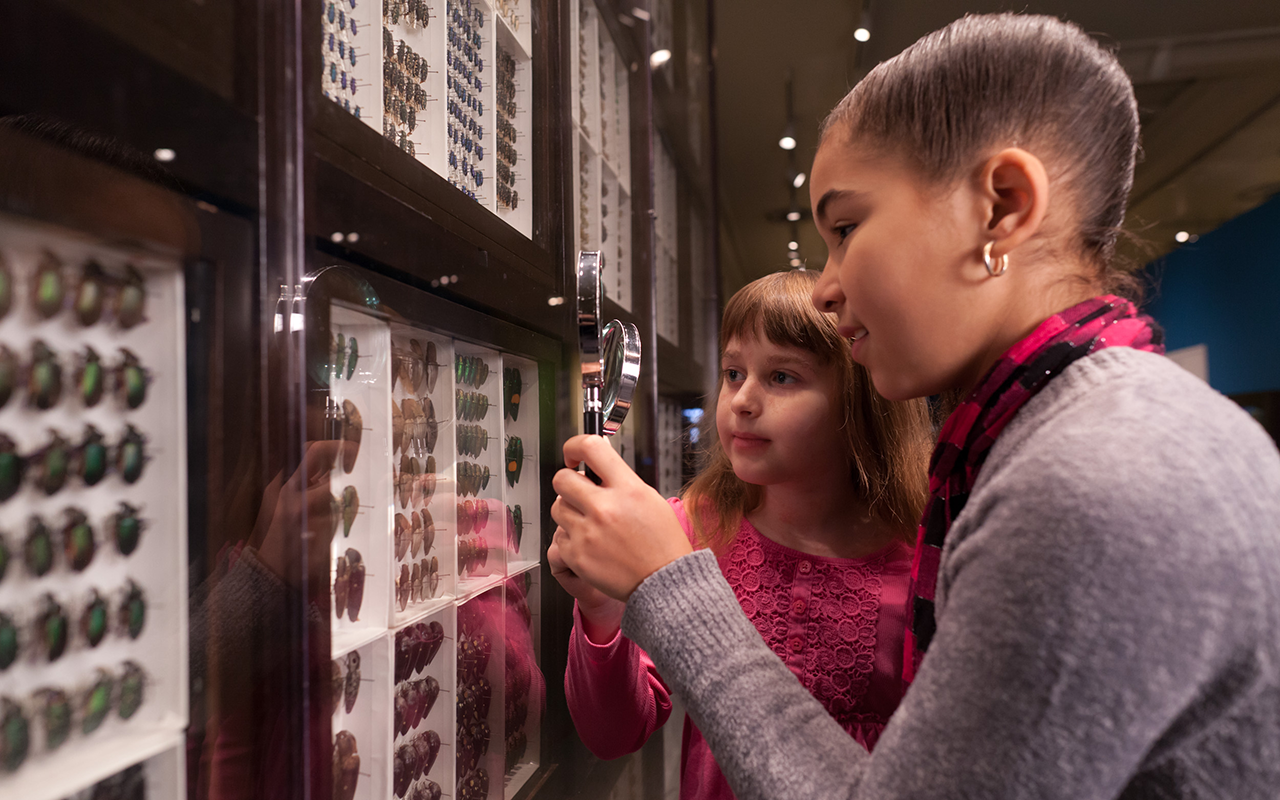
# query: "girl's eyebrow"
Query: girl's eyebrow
791,359
832,195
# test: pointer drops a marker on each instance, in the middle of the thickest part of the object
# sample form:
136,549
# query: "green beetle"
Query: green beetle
47,290
131,300
133,611
44,379
131,455
97,702
133,684
78,540
37,551
15,736
51,628
126,528
90,378
93,621
56,710
131,380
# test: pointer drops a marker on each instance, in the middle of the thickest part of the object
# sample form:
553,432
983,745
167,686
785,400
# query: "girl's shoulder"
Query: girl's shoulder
682,514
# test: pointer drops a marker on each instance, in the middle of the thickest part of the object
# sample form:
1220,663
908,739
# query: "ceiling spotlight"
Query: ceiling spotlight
798,180
788,140
164,154
793,216
1181,236
659,57
795,262
793,245
862,34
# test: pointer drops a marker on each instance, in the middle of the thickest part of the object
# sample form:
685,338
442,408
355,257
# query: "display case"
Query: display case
434,525
93,666
455,96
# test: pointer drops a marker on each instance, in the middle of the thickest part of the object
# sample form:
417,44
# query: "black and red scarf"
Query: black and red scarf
971,430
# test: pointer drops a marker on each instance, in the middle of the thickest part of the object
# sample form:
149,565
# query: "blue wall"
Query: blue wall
1224,291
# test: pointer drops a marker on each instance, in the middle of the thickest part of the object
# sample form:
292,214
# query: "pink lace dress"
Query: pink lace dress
837,623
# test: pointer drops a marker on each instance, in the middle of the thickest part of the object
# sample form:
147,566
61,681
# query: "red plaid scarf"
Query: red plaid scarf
971,430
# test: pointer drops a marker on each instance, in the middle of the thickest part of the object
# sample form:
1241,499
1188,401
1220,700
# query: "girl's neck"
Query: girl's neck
820,517
1040,294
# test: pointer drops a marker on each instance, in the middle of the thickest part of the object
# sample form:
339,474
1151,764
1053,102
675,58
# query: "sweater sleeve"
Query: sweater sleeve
614,693
1101,627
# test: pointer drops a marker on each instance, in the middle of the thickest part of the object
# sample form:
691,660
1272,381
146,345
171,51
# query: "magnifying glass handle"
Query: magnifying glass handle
593,422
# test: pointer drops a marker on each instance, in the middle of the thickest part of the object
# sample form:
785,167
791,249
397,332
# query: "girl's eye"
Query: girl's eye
842,232
732,375
782,377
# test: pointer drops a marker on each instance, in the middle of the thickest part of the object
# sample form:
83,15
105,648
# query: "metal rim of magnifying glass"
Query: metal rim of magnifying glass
590,301
620,354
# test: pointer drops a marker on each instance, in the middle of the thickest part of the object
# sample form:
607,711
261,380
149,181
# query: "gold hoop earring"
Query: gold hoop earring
991,264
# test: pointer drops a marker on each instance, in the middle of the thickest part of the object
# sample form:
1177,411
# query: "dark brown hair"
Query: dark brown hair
888,442
992,80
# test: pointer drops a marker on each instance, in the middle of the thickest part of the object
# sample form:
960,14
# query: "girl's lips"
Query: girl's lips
749,440
857,345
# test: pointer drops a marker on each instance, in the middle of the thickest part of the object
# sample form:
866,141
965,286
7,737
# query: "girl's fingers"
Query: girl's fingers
576,489
564,512
599,455
555,560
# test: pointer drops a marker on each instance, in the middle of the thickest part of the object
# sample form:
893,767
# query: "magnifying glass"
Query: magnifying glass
610,355
620,353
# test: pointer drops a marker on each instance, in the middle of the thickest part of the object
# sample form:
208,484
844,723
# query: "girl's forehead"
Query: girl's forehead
756,344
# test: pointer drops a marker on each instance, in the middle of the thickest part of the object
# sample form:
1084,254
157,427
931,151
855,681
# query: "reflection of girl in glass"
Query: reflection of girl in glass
808,500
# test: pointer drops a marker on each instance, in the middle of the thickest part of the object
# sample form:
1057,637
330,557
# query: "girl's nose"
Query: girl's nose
745,402
826,293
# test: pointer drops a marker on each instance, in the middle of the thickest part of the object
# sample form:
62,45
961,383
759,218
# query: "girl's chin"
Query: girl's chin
752,474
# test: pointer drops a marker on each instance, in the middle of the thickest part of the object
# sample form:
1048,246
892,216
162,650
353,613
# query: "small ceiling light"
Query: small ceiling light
788,140
336,237
164,154
795,262
793,216
863,32
1181,236
659,57
793,245
798,180
555,301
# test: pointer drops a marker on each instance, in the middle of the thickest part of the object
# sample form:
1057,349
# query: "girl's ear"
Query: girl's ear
1015,187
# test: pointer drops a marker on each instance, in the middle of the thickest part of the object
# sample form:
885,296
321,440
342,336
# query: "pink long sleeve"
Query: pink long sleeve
614,693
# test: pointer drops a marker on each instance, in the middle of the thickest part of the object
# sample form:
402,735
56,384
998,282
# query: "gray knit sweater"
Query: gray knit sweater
1108,619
